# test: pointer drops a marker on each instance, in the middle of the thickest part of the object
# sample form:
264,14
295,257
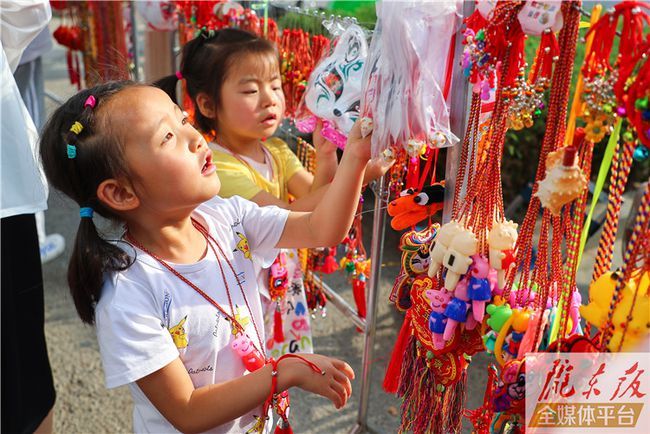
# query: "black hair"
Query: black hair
76,162
205,62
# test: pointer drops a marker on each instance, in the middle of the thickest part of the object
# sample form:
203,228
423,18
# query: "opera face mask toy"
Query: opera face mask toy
334,90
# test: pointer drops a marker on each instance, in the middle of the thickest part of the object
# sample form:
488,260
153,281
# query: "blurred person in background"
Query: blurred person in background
29,79
27,386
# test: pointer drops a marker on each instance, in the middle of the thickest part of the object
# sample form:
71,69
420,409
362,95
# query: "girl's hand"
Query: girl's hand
357,145
333,385
321,144
376,168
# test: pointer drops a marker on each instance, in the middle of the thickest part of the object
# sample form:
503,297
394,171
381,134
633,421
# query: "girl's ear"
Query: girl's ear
117,195
206,105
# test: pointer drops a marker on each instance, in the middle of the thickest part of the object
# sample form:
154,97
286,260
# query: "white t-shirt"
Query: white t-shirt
142,307
23,187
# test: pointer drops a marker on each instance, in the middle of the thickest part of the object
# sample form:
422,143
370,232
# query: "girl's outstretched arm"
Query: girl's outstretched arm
190,410
330,221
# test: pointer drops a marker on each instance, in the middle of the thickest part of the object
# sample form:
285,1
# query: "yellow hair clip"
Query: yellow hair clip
76,127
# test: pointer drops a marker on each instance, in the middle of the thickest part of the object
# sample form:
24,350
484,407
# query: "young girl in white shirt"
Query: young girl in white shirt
175,300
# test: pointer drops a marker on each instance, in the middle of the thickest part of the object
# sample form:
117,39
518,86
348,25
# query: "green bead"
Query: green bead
480,36
349,267
641,103
607,108
440,388
429,355
538,112
628,137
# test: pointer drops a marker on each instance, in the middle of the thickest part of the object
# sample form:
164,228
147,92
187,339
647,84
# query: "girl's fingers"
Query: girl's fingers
338,389
341,378
344,367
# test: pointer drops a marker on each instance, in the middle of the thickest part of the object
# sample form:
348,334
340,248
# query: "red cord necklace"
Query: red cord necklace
253,359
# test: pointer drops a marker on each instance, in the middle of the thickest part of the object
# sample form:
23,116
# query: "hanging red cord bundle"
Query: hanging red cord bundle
634,16
297,60
637,98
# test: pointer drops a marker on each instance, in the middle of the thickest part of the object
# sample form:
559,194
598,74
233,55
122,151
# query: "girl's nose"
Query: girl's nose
196,142
270,98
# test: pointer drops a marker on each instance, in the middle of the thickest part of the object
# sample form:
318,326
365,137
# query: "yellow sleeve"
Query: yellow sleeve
289,161
236,179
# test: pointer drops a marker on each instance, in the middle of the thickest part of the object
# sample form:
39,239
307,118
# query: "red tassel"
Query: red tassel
286,430
359,292
330,264
394,368
278,332
476,21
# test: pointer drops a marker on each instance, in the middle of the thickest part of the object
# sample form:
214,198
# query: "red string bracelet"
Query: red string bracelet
281,401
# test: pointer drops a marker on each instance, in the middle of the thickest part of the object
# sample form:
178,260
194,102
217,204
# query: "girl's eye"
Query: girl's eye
250,91
185,120
168,137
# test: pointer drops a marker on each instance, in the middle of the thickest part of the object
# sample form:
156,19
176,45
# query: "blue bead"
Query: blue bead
641,153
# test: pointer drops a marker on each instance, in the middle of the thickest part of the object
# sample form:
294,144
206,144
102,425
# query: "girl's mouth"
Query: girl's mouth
208,168
270,119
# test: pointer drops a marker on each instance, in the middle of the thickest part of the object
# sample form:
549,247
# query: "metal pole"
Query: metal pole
134,42
376,249
458,116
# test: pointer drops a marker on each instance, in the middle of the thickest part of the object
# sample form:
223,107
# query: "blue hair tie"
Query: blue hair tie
86,212
72,151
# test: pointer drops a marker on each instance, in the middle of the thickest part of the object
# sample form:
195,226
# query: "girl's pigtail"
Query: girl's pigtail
92,257
79,151
168,85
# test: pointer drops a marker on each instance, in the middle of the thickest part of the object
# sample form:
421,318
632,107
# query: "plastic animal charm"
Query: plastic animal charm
250,356
415,261
278,285
601,293
501,242
510,393
520,321
440,244
499,315
414,206
564,180
456,311
439,300
479,290
458,257
278,278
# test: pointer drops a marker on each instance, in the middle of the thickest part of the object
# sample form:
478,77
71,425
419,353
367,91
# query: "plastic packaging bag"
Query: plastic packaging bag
403,99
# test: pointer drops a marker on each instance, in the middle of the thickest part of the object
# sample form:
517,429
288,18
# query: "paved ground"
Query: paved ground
85,406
